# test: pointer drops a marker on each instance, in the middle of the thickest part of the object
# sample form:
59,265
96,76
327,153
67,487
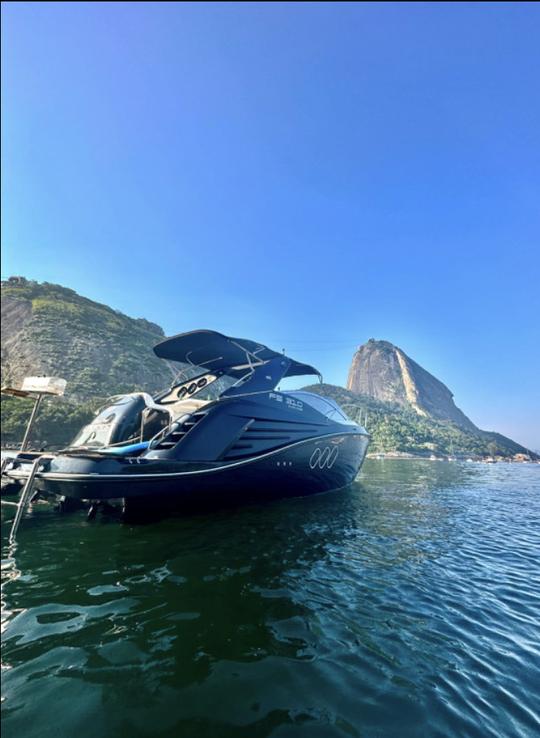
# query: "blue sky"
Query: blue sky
309,175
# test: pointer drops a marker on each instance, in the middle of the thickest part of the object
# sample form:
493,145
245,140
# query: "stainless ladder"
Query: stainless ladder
26,495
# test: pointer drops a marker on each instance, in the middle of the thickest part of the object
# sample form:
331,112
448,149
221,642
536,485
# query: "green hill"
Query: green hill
48,329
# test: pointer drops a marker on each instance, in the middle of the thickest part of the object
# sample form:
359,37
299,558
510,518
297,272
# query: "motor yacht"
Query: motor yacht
221,433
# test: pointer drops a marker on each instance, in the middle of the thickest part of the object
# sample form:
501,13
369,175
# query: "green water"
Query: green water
405,605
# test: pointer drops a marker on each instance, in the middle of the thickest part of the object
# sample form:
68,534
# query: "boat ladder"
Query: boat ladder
26,495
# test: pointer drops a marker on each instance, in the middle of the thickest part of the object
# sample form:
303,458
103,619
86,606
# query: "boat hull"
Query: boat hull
307,467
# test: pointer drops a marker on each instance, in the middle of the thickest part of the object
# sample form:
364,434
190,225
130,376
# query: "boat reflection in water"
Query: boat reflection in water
224,434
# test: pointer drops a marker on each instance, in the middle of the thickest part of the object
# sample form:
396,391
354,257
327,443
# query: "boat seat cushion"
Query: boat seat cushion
131,448
185,407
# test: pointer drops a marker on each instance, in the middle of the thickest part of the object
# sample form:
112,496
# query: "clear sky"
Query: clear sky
308,175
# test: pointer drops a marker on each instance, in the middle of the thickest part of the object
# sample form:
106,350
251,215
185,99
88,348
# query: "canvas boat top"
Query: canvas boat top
215,352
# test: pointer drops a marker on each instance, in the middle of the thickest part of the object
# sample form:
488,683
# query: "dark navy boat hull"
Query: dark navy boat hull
307,467
251,442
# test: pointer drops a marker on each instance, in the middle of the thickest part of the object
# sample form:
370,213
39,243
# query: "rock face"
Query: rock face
385,372
49,329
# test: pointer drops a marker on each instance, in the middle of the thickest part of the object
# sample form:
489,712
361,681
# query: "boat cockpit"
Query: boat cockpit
138,417
213,367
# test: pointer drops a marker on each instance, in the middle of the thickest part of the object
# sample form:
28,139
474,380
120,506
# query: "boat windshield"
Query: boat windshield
190,382
323,405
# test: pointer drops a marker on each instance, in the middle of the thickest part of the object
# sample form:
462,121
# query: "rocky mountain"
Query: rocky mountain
419,410
385,372
49,329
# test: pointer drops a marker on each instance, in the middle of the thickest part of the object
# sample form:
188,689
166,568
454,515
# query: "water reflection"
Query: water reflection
364,611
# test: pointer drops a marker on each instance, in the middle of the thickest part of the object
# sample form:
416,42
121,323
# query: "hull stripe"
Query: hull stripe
96,477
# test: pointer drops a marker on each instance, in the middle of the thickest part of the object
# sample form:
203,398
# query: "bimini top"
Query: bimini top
215,352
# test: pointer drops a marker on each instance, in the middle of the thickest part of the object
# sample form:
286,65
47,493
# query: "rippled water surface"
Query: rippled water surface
406,605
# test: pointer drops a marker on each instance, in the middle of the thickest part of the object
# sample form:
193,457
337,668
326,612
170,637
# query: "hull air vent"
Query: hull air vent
178,431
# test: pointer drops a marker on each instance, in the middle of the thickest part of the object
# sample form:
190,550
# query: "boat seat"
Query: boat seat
127,450
185,407
175,409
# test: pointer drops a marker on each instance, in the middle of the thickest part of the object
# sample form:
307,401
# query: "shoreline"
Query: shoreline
402,455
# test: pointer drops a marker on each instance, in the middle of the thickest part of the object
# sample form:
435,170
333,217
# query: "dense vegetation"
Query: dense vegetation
57,422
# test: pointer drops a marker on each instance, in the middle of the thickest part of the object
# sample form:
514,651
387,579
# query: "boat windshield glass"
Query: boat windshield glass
191,381
324,405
